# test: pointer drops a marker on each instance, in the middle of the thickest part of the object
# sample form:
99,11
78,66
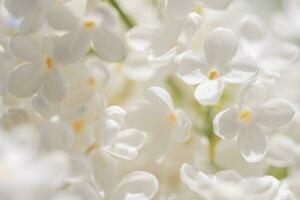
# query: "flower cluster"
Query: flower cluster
149,100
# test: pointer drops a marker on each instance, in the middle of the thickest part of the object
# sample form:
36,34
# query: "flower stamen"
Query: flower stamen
89,24
198,8
49,63
78,125
245,115
213,74
92,81
172,117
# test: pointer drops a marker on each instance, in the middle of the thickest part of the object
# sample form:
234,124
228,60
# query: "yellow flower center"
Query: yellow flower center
92,81
78,125
172,117
198,8
89,24
49,63
213,74
245,115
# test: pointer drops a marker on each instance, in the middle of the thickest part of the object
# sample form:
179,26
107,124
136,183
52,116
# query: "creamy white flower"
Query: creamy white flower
179,9
285,22
229,185
163,42
283,151
34,13
216,67
96,27
26,174
86,82
250,119
270,54
113,136
40,70
159,118
136,185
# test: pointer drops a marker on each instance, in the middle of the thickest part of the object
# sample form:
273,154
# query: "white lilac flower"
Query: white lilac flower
163,42
95,27
136,185
251,118
229,185
85,86
289,13
179,9
24,172
40,70
34,13
161,120
216,67
283,152
113,136
271,55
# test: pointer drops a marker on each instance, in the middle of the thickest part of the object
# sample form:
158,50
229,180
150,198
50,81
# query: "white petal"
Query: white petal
277,55
116,113
131,137
177,8
26,48
194,179
71,47
139,183
43,107
158,96
209,92
220,47
127,143
190,27
164,59
183,127
105,171
54,87
56,136
281,151
226,124
81,190
108,45
229,176
275,112
253,95
262,187
139,38
62,18
241,72
217,4
252,28
252,142
32,22
228,156
26,80
105,13
189,67
137,67
20,8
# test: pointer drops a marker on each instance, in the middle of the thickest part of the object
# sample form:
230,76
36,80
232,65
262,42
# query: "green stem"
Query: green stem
127,20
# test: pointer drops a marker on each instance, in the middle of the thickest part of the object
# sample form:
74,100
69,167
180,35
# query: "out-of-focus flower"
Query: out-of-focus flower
271,55
34,13
136,185
229,185
159,118
164,42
